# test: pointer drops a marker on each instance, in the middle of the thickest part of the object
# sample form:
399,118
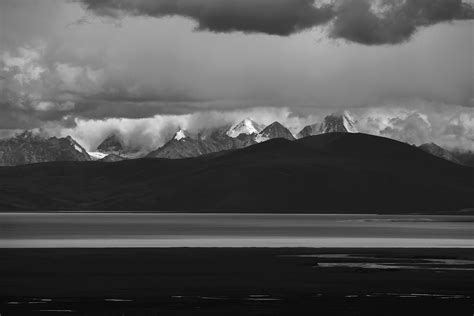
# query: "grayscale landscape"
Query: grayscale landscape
236,157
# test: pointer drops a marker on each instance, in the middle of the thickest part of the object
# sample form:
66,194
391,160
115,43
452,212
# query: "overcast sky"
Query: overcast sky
405,68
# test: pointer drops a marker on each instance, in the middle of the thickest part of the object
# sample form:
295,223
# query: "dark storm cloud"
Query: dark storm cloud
277,17
393,21
104,109
369,22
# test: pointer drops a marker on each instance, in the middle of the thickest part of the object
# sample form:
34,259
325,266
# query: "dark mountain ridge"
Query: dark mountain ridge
337,172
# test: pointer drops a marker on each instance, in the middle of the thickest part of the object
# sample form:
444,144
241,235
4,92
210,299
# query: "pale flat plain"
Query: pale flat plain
71,230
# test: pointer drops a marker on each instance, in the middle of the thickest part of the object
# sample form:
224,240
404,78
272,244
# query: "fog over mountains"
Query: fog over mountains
28,148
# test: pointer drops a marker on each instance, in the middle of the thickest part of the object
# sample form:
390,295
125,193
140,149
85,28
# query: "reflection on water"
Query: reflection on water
233,230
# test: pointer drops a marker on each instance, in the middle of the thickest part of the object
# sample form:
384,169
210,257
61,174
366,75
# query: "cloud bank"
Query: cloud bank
447,125
369,22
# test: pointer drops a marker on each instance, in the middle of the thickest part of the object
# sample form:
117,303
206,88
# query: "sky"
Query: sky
142,68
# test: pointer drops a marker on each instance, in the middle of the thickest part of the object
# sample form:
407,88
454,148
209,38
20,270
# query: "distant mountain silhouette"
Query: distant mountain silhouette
335,172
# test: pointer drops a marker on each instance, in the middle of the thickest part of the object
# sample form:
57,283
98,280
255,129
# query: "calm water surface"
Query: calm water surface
232,230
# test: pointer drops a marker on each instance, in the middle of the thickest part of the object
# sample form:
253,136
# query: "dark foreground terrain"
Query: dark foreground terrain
329,173
236,281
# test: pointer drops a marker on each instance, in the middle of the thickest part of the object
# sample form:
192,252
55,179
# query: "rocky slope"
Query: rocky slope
272,131
27,148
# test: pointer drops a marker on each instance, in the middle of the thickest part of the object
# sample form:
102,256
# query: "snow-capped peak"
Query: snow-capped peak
180,135
246,126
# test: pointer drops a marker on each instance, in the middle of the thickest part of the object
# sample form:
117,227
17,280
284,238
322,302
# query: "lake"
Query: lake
72,230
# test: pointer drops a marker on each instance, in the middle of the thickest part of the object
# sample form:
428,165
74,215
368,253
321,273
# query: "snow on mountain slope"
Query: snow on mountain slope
97,155
180,134
247,127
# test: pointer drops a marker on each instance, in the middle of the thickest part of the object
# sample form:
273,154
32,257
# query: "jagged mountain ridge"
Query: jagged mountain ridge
240,135
27,148
243,134
333,123
186,145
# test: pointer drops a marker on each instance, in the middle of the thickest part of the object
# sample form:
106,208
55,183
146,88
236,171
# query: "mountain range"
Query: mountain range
334,172
29,148
247,132
240,135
